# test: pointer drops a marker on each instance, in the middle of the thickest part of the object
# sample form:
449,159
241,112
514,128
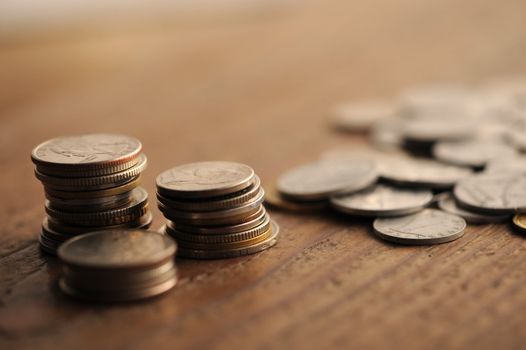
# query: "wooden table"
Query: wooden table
256,86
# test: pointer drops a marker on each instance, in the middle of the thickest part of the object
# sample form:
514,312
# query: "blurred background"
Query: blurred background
245,80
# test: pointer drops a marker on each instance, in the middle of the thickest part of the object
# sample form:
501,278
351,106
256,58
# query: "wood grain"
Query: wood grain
257,88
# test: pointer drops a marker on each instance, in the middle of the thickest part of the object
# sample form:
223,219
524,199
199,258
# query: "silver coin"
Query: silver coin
387,133
117,249
493,193
447,203
319,180
361,116
382,200
506,165
472,153
439,129
422,173
429,226
516,133
435,101
86,151
204,179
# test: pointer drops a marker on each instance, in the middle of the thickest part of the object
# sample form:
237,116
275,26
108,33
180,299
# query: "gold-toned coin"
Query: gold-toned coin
232,253
224,246
114,191
204,180
519,222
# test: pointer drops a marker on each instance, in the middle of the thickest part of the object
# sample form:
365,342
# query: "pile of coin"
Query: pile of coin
214,210
118,265
455,149
91,183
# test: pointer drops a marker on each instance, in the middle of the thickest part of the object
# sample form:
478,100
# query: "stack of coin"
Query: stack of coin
214,210
118,265
91,183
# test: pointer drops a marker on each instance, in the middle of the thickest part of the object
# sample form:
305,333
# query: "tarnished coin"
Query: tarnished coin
429,226
422,173
319,180
275,200
117,249
205,179
447,204
472,153
382,200
519,222
132,211
93,183
232,253
360,116
99,154
222,203
493,193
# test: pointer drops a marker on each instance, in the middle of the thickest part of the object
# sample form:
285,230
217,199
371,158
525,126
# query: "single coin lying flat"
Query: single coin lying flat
429,226
382,200
447,203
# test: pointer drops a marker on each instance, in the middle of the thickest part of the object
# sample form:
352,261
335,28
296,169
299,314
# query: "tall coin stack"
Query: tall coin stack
91,183
214,210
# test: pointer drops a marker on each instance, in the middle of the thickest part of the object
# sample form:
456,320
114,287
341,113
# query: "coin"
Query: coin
117,249
493,193
114,191
248,223
93,183
275,200
472,153
87,152
429,226
382,200
360,116
435,101
226,202
89,205
51,224
519,222
134,210
205,179
320,179
506,165
422,173
232,253
447,204
437,129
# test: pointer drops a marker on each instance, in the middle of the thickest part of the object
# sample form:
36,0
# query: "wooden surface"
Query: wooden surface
256,87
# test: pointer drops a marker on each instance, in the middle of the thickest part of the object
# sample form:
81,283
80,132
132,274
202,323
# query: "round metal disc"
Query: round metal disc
506,165
117,249
86,151
205,179
429,226
519,222
382,200
275,200
472,153
493,193
447,203
360,116
319,180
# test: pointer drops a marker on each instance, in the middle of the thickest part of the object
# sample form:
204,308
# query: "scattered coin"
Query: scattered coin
275,200
506,165
493,193
118,265
361,116
382,201
472,153
91,183
214,210
318,180
421,173
447,203
429,226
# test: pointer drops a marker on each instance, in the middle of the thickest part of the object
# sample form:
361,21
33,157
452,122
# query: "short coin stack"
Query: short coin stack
118,265
215,210
91,183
